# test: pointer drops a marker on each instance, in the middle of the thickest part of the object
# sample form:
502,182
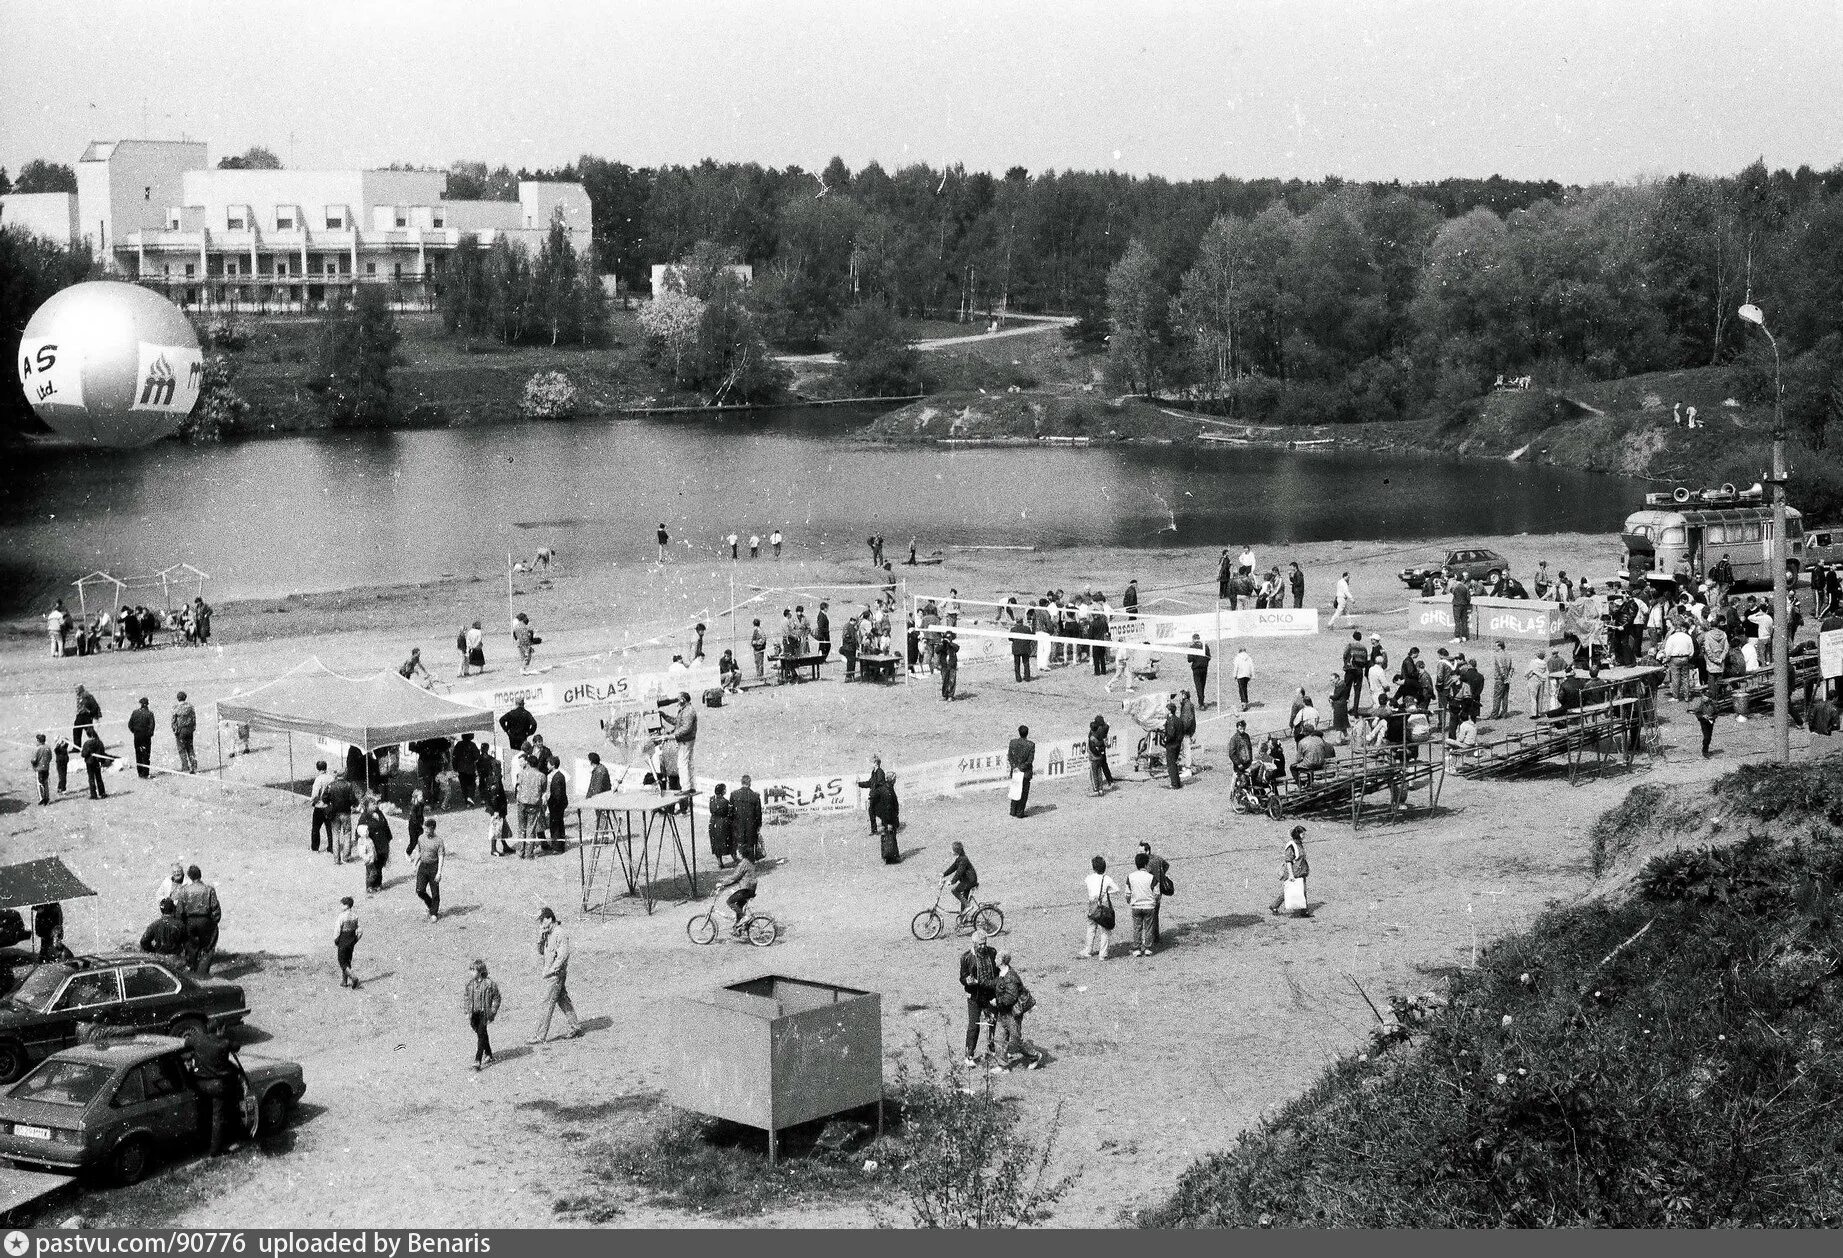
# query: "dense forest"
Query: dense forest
1312,301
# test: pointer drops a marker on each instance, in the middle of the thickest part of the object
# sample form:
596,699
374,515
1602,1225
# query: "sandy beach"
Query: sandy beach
1153,1061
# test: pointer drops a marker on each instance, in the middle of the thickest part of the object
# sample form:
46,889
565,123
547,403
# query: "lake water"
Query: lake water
311,513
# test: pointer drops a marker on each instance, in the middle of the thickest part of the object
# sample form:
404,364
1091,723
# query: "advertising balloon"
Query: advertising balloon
110,364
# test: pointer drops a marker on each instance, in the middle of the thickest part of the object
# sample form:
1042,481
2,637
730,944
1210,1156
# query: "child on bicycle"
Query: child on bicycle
960,877
743,879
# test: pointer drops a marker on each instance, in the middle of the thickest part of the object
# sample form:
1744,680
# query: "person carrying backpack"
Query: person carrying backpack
979,979
1012,1000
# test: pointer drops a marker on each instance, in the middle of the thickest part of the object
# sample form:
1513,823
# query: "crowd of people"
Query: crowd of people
129,629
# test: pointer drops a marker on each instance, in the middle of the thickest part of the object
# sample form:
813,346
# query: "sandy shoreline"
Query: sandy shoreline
1236,1016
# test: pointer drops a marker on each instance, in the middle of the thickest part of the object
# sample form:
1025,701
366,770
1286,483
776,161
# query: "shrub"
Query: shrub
548,395
220,408
964,1162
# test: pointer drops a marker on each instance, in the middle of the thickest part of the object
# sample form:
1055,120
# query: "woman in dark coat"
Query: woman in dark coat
379,855
722,825
884,809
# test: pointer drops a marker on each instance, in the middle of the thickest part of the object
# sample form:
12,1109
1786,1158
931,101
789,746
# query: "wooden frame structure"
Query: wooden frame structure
1364,770
629,840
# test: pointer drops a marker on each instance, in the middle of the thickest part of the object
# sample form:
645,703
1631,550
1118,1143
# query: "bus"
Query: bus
1688,531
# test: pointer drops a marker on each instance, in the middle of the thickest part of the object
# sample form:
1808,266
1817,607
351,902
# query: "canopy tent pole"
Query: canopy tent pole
291,778
217,733
1222,658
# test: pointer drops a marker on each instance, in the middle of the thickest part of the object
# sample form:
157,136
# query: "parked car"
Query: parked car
41,1014
113,1106
1476,564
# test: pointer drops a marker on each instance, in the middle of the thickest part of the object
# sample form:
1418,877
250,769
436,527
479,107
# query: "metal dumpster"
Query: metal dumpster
774,1052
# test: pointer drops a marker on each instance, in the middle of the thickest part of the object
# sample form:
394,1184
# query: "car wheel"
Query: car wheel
188,1029
273,1116
13,1061
131,1160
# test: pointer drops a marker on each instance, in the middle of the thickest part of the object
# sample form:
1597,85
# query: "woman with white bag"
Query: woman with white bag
1293,874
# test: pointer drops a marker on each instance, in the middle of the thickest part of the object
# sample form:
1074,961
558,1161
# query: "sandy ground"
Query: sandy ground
1153,1061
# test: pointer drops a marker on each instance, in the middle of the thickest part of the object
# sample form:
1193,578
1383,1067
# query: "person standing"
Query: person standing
1294,865
1536,680
848,647
1244,673
1340,600
556,800
1021,758
1171,738
473,657
554,946
1296,580
755,545
374,832
431,859
89,711
1099,737
95,756
529,792
1012,1000
979,980
662,537
316,798
480,998
747,806
822,632
346,934
1225,569
1142,898
525,640
141,726
1160,869
1679,651
219,1084
48,929
199,910
1023,649
1199,669
1503,668
466,761
1101,891
685,734
732,541
1705,717
185,724
774,540
41,768
948,663
721,827
1129,601
57,621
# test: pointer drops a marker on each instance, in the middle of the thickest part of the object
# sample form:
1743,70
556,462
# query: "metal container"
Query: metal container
774,1052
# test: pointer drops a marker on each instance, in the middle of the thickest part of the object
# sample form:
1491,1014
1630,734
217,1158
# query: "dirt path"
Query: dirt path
1153,1062
1030,325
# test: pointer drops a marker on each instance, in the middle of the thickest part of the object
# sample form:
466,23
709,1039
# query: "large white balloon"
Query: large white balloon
110,364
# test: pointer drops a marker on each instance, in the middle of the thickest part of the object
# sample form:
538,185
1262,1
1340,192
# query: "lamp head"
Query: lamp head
1752,314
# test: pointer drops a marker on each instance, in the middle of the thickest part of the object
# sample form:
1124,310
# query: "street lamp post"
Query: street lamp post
1782,665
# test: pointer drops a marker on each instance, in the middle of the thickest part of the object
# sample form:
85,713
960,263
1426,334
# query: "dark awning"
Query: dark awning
38,882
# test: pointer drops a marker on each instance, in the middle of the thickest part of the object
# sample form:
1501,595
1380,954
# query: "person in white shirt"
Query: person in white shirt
1244,673
1305,720
950,608
774,540
1679,650
54,625
1763,621
1340,600
174,881
1142,898
1378,682
1246,560
1101,890
732,539
1750,655
755,545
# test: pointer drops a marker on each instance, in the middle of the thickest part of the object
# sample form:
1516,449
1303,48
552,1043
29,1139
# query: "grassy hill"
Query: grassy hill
1668,1053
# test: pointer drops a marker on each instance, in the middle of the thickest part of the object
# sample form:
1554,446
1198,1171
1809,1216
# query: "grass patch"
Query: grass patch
1671,1059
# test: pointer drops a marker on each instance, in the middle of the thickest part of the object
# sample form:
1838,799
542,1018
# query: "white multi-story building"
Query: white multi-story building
156,211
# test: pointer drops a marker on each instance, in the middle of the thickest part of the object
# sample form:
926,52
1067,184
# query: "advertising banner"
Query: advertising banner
1830,653
612,690
1520,618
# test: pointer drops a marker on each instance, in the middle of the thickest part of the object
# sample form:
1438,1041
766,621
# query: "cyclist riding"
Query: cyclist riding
742,877
960,877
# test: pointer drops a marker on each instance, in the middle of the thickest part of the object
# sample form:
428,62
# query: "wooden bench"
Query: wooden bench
791,665
879,667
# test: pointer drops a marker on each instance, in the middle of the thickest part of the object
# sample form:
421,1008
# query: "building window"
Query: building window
190,270
399,271
284,221
334,220
440,218
234,222
371,268
403,218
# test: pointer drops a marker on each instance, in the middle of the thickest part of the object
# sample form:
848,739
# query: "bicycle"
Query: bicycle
930,923
1247,797
757,927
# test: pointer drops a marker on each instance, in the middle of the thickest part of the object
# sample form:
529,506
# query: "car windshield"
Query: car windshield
37,988
57,1082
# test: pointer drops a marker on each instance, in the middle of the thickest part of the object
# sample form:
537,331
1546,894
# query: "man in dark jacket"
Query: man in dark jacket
165,937
1296,579
1356,663
1171,737
1462,610
466,761
95,759
1021,758
199,911
221,1082
822,633
141,726
979,979
747,806
340,799
1160,869
185,725
89,711
1199,669
518,725
1009,999
1241,748
556,799
1023,649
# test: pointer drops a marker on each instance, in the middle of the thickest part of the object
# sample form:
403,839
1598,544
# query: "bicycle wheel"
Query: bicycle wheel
702,929
989,919
762,930
927,924
1274,807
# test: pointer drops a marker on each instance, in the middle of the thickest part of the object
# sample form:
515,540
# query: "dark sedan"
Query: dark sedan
41,1014
1475,564
115,1105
